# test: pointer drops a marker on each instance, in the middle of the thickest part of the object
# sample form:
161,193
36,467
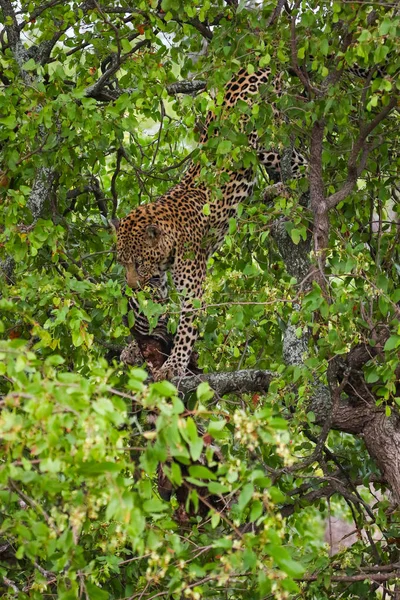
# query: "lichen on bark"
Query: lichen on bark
40,190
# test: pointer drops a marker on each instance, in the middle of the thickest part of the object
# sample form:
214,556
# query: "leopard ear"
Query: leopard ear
114,224
153,233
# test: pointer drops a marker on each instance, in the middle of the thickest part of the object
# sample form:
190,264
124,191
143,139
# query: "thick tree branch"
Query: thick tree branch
179,87
11,28
43,51
186,87
315,178
13,37
276,12
235,382
382,439
317,198
7,268
40,190
201,28
378,577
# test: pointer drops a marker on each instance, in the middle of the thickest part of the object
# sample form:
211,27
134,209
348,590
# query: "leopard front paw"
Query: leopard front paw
169,370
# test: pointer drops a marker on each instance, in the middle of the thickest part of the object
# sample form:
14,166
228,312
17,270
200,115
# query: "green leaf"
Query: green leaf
292,567
201,472
311,416
99,468
204,392
385,27
265,60
189,433
277,495
30,65
372,377
215,519
164,388
382,282
256,510
176,474
295,235
245,495
383,305
126,47
324,47
214,487
10,122
196,448
95,593
154,506
392,343
224,147
215,429
364,36
223,542
55,360
77,338
138,374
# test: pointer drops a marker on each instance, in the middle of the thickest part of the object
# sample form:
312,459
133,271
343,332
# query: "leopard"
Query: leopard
174,233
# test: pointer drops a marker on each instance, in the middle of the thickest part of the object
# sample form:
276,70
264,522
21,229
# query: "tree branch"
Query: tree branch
96,90
38,11
179,87
354,170
13,37
235,382
201,28
40,190
11,584
186,87
293,50
276,12
12,29
378,577
40,53
317,197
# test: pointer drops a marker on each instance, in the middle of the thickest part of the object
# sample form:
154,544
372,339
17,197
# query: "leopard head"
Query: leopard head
143,247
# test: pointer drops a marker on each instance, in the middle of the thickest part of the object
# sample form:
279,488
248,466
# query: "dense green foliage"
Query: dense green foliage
91,127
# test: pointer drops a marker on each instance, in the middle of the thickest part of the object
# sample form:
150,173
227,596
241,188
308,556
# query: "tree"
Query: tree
300,329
